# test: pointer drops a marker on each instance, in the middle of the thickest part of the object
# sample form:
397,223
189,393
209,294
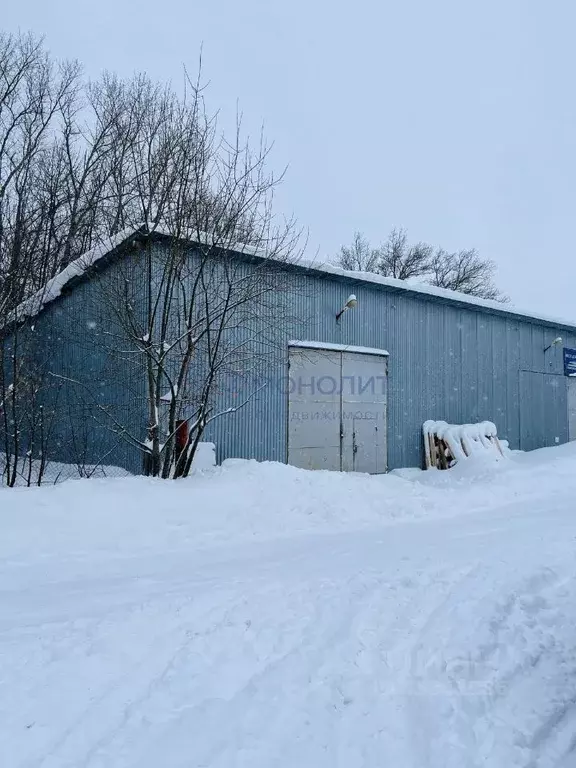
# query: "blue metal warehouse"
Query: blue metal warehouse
347,392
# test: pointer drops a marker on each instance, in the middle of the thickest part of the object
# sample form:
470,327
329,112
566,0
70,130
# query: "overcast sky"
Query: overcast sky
452,118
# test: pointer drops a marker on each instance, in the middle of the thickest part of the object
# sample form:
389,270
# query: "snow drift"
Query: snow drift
261,615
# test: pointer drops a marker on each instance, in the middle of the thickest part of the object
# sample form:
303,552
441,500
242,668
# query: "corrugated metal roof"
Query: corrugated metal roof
431,292
80,266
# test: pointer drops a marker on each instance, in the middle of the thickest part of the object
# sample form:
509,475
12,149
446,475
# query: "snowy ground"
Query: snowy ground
34,473
268,617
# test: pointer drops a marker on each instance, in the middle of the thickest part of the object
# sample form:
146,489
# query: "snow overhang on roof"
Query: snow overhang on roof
327,346
80,266
75,270
438,294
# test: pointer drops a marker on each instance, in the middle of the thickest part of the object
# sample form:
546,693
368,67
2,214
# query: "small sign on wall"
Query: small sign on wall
569,362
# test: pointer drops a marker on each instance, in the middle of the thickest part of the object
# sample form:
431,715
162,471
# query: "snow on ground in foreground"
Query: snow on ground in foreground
259,615
29,472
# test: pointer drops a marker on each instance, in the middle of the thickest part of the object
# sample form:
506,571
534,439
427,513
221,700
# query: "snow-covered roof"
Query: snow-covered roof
53,289
77,268
338,347
80,266
424,289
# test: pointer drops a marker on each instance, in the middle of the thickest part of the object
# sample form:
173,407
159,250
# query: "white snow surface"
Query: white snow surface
322,345
465,440
258,615
57,472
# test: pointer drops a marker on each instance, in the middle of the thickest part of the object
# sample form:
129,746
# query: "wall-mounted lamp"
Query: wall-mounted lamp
351,302
555,343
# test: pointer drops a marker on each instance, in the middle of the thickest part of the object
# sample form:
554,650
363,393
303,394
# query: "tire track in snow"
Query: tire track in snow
475,668
127,678
227,711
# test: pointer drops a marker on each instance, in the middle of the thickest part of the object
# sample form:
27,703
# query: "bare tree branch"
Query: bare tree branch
464,271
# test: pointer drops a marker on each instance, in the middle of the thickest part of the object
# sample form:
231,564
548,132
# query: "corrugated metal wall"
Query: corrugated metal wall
92,387
456,364
446,362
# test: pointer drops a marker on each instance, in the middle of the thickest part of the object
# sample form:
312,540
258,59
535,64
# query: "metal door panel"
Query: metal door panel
316,458
556,406
543,409
337,410
531,417
364,427
364,378
364,439
314,424
571,384
314,407
314,375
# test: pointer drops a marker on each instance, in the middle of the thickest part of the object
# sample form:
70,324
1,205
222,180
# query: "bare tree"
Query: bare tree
400,260
27,419
360,256
33,91
80,163
464,271
199,301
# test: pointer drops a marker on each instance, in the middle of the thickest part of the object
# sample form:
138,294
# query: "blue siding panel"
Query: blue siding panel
459,364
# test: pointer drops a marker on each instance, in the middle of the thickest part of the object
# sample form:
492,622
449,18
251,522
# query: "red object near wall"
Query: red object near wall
181,436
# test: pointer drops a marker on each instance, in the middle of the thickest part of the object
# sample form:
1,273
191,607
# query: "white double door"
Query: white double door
337,410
